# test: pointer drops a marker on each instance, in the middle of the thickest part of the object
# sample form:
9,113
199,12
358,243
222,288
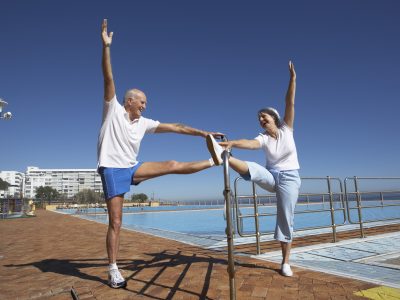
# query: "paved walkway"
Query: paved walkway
49,255
366,259
375,258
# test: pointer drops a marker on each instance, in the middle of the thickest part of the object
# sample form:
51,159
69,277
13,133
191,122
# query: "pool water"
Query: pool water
209,220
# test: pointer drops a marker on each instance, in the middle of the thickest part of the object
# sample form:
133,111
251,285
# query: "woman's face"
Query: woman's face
266,121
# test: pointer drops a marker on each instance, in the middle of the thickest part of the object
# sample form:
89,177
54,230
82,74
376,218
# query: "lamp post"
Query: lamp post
6,115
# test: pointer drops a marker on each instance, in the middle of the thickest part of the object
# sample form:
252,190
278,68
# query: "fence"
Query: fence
12,208
338,197
366,198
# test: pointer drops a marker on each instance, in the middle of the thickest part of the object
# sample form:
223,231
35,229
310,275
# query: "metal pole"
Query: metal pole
344,205
332,209
257,225
229,232
359,207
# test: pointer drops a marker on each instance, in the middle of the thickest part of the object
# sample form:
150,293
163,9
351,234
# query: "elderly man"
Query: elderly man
122,130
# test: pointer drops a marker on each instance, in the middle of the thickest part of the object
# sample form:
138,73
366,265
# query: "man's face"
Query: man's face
136,106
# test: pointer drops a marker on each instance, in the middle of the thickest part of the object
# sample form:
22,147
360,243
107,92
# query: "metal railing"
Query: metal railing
343,198
10,208
370,197
333,197
229,228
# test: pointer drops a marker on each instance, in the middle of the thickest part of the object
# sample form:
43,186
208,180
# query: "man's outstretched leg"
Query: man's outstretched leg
148,170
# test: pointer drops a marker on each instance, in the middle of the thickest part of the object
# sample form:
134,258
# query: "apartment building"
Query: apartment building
16,181
67,182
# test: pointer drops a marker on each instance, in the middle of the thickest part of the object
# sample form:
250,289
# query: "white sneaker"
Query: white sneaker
115,279
215,149
286,270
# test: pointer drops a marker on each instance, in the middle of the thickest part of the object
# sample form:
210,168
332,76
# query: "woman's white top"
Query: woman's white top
281,153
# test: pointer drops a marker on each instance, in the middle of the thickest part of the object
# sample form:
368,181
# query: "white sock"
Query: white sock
212,164
113,266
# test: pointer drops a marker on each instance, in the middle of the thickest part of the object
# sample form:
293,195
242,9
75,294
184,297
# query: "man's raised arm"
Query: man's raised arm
109,87
183,129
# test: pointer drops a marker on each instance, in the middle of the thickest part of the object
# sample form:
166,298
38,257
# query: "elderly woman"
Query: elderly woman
280,174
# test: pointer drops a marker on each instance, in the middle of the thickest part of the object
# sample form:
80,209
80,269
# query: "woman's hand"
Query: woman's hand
291,70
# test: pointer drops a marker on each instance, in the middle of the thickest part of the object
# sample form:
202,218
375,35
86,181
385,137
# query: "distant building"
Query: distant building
67,182
16,181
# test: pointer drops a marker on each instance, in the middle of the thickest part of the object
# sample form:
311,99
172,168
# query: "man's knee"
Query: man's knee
116,224
173,165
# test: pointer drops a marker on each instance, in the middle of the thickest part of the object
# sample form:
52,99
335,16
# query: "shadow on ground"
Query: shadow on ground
155,266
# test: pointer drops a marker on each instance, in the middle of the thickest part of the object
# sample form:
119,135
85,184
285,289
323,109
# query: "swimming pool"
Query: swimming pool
209,221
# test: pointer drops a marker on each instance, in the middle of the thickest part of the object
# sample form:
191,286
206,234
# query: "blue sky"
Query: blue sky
210,65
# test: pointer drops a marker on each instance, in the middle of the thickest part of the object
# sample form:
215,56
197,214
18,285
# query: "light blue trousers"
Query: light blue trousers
286,185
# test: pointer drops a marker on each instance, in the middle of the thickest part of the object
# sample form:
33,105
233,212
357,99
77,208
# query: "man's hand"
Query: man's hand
107,38
109,87
218,135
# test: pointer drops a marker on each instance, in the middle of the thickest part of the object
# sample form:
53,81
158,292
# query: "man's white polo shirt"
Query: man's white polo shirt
119,138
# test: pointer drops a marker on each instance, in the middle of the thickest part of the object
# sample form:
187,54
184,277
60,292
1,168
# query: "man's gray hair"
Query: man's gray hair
133,93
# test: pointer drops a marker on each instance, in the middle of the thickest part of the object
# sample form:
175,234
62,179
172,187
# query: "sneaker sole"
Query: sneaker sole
211,149
117,285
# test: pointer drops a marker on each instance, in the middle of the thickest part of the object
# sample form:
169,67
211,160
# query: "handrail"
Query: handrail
343,199
256,214
359,203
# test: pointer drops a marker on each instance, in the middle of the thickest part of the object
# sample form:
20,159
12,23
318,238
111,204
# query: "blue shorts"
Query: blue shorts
117,181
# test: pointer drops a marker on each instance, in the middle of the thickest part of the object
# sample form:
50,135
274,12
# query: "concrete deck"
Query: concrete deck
49,255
